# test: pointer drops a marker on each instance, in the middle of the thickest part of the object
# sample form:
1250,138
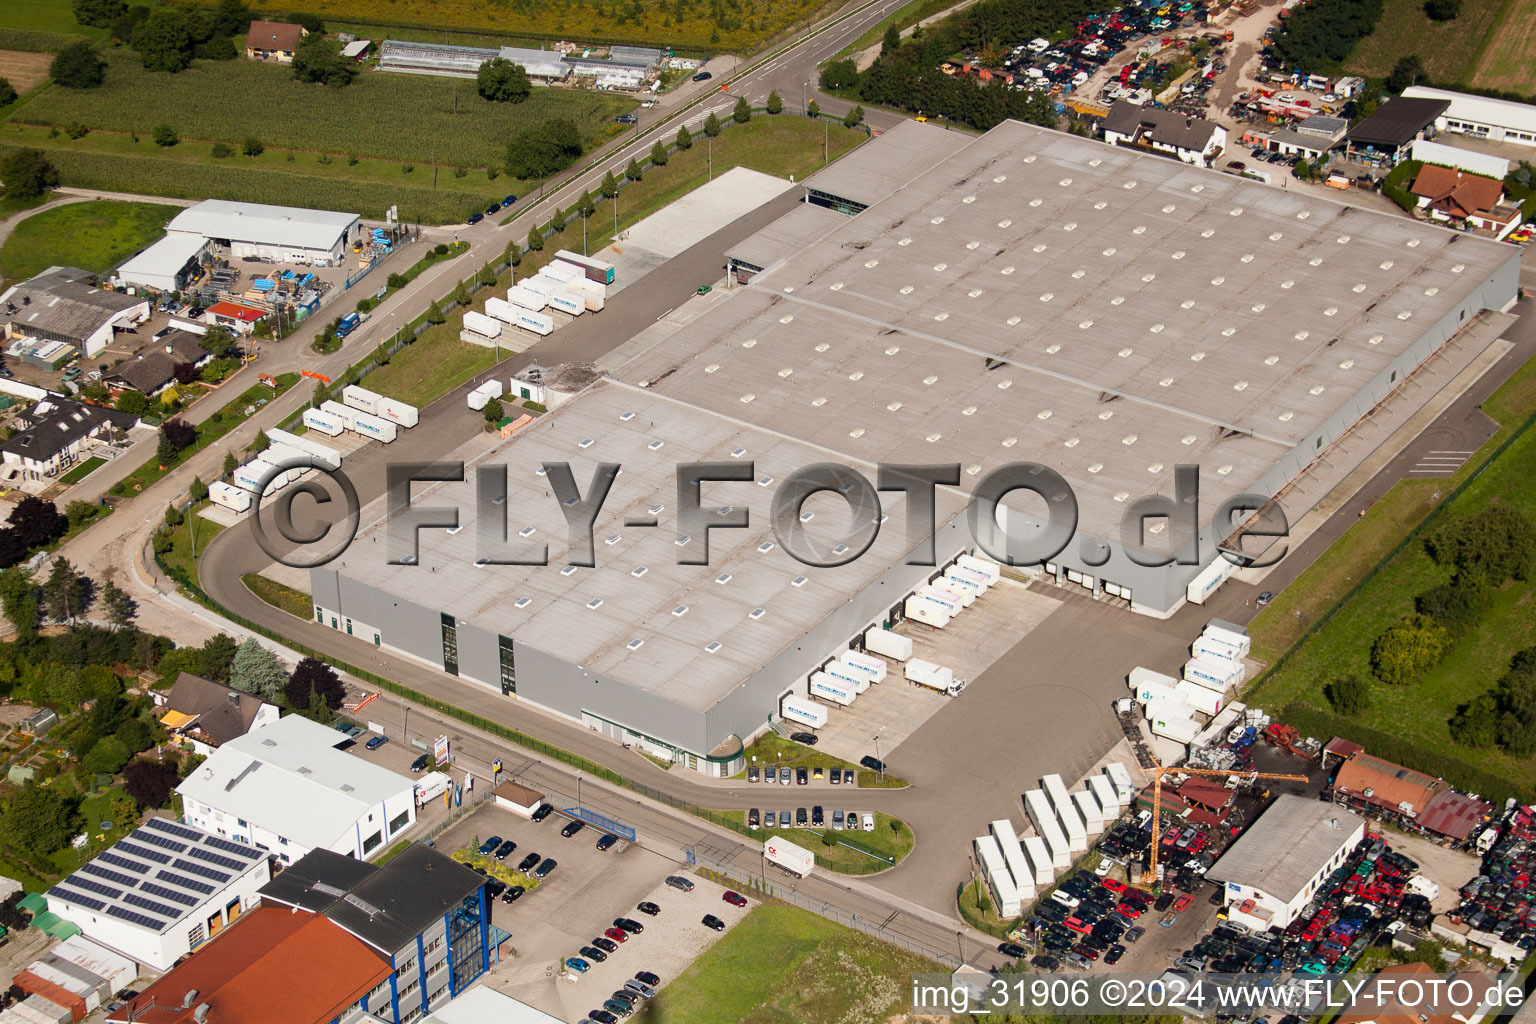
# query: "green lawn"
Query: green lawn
1449,49
94,236
44,16
181,556
10,206
389,116
905,16
850,852
434,364
279,595
1418,713
782,965
82,471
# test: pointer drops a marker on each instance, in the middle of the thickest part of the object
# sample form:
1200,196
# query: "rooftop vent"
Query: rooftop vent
712,646
522,602
757,613
798,581
595,604
635,644
569,570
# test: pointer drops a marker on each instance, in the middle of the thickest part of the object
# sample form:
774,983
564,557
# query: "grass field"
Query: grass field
279,595
740,26
45,16
891,839
81,471
1449,50
783,964
94,236
391,117
1506,61
180,555
1419,712
433,365
24,70
906,16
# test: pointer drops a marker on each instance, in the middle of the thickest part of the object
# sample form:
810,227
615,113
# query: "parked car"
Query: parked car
648,908
542,811
505,850
509,200
1044,962
703,76
594,954
837,820
808,738
626,119
602,1017
617,934
572,827
420,764
1012,950
577,964
818,817
606,944
874,764
629,924
376,742
544,868
607,841
527,863
868,821
647,977
489,846
734,898
753,818
752,775
641,988
711,921
493,208
802,776
475,218
678,882
513,894
784,776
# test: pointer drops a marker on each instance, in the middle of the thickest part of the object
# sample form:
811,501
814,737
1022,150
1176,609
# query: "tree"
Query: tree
854,117
610,186
659,155
150,782
684,138
28,174
98,13
256,670
309,22
840,74
542,149
7,92
712,125
742,112
164,41
216,655
813,109
77,513
1407,71
319,60
132,402
1406,650
253,146
175,436
120,608
221,342
107,756
502,81
535,239
41,819
312,677
66,593
1496,545
586,205
633,171
37,522
173,517
229,18
77,66
1349,696
165,135
775,103
1442,10
493,411
892,41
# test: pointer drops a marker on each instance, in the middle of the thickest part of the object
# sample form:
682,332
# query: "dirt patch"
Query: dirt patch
24,70
1505,62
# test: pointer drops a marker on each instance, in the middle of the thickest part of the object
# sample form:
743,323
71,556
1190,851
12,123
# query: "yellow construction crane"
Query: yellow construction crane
1150,875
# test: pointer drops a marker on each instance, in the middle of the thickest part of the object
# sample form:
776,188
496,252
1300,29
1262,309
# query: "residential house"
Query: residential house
1191,139
273,41
1470,201
154,369
1405,994
207,714
53,434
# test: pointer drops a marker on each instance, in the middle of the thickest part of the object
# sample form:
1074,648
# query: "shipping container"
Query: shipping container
376,428
346,413
361,399
565,302
1217,674
887,644
985,566
1104,793
802,711
324,422
543,285
399,412
960,572
845,674
1141,675
555,272
1039,855
485,326
1230,627
478,400
1038,805
526,298
593,293
1180,730
261,465
1206,646
1013,855
596,270
1149,691
1117,774
1090,811
1230,637
236,499
1066,813
943,588
492,388
871,666
1198,698
501,309
927,611
296,461
960,585
838,691
999,881
539,323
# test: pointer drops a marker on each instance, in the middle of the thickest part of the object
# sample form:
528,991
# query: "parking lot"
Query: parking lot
578,901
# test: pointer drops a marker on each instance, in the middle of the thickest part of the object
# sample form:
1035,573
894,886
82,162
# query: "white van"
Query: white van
868,820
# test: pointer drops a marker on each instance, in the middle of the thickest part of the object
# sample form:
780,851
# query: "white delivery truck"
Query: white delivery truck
985,566
921,608
887,644
1066,813
346,413
526,298
1212,672
236,499
538,323
935,677
392,409
1210,647
324,422
838,691
565,302
361,399
1038,805
1231,637
374,427
479,323
1199,698
874,668
432,784
797,860
802,711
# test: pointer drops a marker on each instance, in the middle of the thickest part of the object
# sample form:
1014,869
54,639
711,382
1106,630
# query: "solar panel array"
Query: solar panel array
177,893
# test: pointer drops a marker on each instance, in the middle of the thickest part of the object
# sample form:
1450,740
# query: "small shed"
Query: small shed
517,798
39,722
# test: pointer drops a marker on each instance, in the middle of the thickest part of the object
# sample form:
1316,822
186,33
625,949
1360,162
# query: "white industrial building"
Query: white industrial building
1274,869
1486,164
64,304
283,233
162,892
166,266
1480,116
285,788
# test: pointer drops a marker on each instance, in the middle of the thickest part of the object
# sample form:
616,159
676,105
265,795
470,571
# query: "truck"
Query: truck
837,691
595,269
1218,675
921,608
432,785
873,667
479,323
348,324
565,302
797,860
236,499
398,411
803,711
935,677
324,422
361,399
883,642
374,427
526,298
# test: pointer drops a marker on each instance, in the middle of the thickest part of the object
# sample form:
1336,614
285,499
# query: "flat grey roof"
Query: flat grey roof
1283,850
870,172
614,422
786,236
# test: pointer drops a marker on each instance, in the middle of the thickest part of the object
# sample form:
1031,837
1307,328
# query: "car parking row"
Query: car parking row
816,817
1501,899
803,776
1083,920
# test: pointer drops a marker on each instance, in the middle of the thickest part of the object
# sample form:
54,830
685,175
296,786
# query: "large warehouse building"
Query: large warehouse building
285,234
1023,296
1275,868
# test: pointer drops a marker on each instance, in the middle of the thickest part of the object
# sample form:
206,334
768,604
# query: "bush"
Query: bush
252,146
1493,546
77,66
1506,715
1456,605
165,135
1405,651
28,174
839,74
77,129
220,151
1348,696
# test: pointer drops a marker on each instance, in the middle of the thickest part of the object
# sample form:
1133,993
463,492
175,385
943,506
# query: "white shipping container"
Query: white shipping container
501,309
492,388
1066,813
538,323
485,326
1013,855
1104,793
236,499
1141,675
587,287
376,428
998,879
1150,692
960,572
871,666
1047,827
1090,811
287,455
401,413
961,585
803,711
478,400
576,270
1125,789
324,422
1231,637
1180,730
1198,698
555,272
1210,647
985,566
527,298
926,611
951,602
1163,710
964,595
891,645
543,285
361,399
1039,859
838,691
845,674
1217,674
565,302
345,413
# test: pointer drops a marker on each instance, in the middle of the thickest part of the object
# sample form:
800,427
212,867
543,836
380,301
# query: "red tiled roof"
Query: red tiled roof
1342,747
1456,192
273,966
1206,793
1454,814
274,35
236,312
1390,784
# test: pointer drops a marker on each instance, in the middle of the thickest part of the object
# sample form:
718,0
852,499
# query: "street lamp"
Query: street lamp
578,791
405,728
877,754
